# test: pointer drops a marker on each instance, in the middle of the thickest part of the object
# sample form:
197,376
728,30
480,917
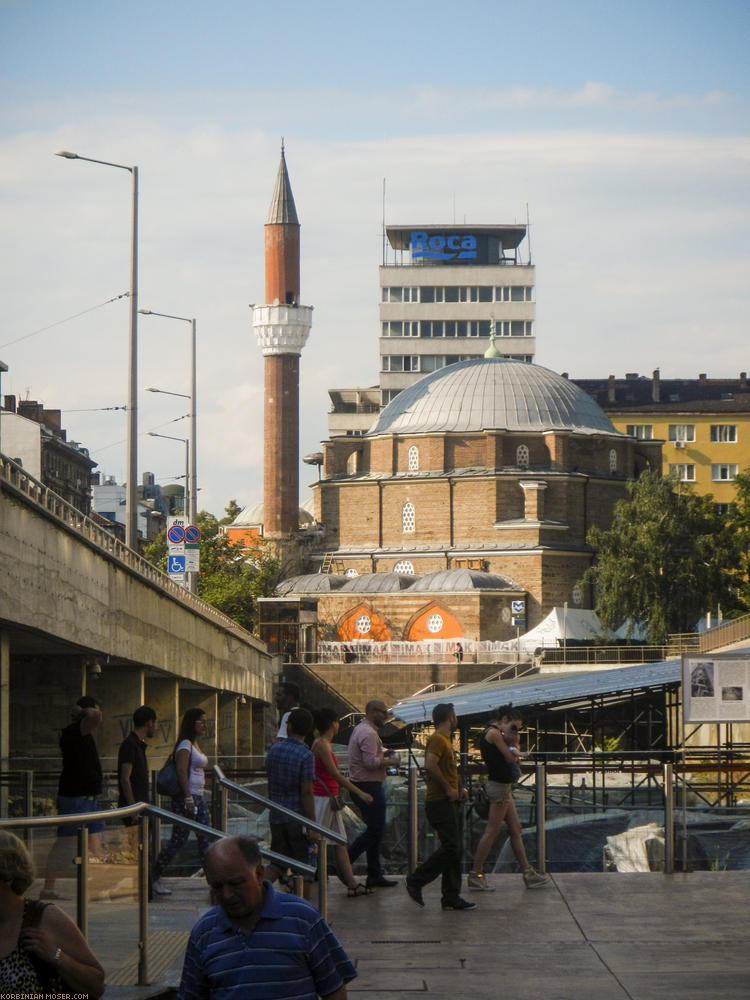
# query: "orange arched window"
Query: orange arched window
363,623
434,623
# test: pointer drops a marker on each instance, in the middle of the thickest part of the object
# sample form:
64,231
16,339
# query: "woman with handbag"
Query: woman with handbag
41,949
327,794
190,764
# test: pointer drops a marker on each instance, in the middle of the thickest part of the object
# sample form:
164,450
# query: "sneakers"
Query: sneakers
534,879
476,880
415,892
460,904
159,889
381,882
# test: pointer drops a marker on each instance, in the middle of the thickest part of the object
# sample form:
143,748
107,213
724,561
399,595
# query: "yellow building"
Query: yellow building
704,424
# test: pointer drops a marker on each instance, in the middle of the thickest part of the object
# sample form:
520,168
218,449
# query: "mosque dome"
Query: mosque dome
492,394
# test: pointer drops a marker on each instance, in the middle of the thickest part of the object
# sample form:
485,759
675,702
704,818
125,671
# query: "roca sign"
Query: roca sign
438,246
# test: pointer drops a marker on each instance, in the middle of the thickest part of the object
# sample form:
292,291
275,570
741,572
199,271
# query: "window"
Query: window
400,363
386,395
434,623
352,463
408,519
522,456
517,293
643,432
470,294
502,294
351,572
723,472
517,328
485,293
413,460
723,509
682,432
363,624
404,568
723,433
685,473
613,461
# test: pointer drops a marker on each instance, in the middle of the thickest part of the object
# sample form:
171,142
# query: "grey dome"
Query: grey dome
453,580
374,583
492,394
311,583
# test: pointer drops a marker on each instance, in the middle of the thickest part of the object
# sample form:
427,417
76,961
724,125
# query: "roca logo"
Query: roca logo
439,247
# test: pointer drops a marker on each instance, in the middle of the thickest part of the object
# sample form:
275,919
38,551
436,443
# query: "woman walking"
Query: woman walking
326,787
190,764
499,752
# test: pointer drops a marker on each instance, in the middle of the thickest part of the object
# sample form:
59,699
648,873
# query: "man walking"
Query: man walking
132,767
257,942
287,699
290,768
442,808
367,764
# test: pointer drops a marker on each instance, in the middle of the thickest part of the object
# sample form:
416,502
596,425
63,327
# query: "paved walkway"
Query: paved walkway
587,937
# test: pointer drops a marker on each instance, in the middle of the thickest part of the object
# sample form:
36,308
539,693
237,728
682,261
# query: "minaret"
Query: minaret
282,327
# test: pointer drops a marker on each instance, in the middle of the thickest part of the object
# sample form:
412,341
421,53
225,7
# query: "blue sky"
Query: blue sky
624,128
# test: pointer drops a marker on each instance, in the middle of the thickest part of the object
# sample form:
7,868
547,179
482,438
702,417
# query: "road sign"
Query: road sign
518,607
176,565
519,621
192,534
192,558
176,534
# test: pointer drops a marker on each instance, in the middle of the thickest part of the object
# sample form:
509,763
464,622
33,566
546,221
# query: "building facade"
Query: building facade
703,423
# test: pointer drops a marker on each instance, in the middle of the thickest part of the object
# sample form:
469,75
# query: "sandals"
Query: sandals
359,890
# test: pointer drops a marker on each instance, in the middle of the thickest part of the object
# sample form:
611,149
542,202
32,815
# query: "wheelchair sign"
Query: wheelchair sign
176,565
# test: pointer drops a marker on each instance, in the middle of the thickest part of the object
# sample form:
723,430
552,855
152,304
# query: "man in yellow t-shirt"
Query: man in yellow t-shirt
443,809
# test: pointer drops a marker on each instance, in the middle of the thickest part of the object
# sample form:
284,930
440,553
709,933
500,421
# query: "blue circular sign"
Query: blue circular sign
176,534
192,534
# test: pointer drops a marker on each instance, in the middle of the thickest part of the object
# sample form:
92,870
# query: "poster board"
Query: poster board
716,688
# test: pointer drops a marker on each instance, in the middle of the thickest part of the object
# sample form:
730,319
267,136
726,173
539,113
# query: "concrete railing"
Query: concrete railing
24,486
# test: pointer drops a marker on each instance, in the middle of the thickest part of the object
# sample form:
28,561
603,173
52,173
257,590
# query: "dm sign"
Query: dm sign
439,246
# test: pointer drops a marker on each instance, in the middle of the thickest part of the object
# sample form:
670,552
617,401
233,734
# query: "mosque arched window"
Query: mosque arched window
613,461
363,624
351,572
434,622
404,567
522,456
413,459
352,464
408,519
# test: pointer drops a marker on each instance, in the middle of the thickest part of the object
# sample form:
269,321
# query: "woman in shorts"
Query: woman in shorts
498,746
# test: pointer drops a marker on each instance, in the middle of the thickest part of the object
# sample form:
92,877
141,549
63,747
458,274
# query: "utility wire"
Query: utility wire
125,295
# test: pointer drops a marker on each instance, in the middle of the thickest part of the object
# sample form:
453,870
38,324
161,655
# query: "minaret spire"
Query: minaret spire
281,328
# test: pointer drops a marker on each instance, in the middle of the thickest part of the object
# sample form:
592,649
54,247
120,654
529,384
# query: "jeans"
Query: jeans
443,816
181,833
369,840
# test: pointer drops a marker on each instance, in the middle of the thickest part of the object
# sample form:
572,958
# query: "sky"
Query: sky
622,130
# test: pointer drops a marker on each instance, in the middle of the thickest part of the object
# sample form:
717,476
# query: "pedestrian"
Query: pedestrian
132,769
290,769
78,790
190,763
287,699
459,653
367,769
42,952
499,752
327,794
257,942
445,795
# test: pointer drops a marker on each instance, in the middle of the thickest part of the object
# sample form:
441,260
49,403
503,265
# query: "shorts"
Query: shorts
288,839
68,805
498,791
327,816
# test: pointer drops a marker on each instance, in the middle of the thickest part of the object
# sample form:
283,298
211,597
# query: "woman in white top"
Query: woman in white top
190,764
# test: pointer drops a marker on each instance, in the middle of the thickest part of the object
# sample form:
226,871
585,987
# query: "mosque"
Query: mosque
461,513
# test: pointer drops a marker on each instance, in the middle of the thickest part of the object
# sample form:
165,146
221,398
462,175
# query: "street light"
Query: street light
131,494
193,419
186,442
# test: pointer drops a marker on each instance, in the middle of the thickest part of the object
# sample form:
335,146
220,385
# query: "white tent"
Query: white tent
576,624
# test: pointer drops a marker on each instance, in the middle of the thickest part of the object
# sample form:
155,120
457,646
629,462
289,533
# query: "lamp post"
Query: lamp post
193,420
188,491
186,442
131,494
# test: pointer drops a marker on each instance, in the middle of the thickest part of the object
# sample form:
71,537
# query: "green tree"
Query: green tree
664,561
738,521
231,577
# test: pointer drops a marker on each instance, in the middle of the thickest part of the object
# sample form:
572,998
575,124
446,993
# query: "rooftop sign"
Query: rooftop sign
440,246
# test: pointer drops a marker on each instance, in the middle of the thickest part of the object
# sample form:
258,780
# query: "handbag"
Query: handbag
48,975
481,802
166,779
337,802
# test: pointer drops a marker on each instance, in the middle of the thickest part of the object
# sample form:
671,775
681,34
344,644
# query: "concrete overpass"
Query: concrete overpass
82,613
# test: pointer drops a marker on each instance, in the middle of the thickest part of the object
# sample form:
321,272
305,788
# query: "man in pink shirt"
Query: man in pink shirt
367,766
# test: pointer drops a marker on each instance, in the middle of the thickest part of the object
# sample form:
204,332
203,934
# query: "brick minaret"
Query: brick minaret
281,327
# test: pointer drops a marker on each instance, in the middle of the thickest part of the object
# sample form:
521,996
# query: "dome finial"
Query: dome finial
492,351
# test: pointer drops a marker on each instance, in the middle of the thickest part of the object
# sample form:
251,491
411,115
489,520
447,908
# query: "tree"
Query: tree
739,524
231,576
664,561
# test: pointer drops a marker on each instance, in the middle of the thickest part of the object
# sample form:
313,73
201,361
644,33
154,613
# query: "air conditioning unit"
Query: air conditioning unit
679,444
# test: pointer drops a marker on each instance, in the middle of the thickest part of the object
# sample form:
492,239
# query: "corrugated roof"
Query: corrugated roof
541,689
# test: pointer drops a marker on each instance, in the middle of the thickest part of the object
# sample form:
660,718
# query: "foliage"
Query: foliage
231,577
739,524
664,560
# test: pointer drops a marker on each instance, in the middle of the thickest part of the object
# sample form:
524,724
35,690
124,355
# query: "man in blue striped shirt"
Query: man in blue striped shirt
257,942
